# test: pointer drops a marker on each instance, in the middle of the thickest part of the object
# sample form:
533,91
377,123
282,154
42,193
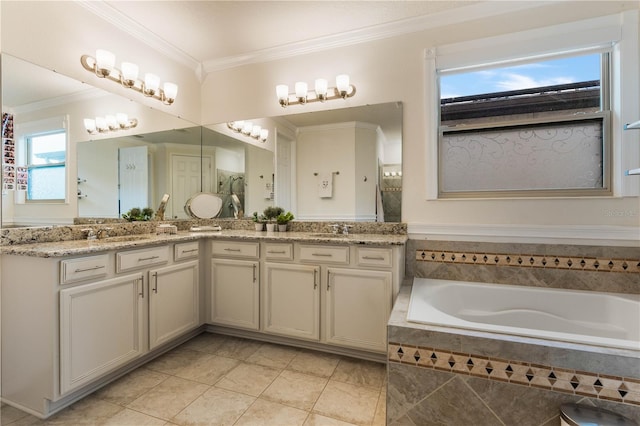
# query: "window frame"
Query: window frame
28,148
616,31
604,114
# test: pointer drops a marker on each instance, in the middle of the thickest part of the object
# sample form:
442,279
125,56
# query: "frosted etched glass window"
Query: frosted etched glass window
529,128
564,155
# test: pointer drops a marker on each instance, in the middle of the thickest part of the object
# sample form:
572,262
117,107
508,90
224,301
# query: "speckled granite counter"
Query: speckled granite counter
76,247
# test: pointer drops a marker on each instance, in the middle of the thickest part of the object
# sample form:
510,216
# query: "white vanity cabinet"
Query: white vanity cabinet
291,300
234,286
173,301
71,323
357,308
101,328
329,294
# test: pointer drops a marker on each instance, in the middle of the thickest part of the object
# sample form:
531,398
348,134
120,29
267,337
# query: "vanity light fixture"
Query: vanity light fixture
103,66
249,129
343,90
109,123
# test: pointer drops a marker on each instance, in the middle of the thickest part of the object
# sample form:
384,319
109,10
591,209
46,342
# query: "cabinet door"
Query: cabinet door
100,328
291,303
357,308
173,302
235,293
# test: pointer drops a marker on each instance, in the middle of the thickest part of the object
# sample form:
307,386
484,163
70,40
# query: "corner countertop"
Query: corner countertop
78,247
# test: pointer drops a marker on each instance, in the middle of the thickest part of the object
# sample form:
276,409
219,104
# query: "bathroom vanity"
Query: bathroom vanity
78,314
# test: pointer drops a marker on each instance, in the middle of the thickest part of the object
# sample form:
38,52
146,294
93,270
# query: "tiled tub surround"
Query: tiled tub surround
446,376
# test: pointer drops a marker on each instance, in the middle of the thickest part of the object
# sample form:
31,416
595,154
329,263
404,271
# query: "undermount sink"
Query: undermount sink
122,238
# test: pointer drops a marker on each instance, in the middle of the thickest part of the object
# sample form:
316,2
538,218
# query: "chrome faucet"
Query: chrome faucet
345,229
334,228
103,233
91,234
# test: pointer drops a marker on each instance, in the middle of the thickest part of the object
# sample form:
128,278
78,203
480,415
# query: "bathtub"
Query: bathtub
585,317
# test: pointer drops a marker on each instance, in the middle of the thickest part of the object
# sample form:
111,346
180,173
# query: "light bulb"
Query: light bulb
301,91
342,84
282,92
151,84
123,120
255,131
321,88
90,125
170,92
264,134
129,74
101,124
105,61
248,126
238,125
112,123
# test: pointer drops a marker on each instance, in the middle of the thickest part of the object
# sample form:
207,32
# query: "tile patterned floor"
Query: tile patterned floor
222,380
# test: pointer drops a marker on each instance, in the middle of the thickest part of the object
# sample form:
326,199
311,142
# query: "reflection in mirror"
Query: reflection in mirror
36,96
117,174
357,151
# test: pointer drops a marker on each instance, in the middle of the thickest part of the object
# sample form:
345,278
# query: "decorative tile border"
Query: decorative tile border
612,388
534,261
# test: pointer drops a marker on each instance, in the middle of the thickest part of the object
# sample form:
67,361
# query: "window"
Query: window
536,127
46,157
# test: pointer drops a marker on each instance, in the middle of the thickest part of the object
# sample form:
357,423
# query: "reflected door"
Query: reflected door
133,175
185,181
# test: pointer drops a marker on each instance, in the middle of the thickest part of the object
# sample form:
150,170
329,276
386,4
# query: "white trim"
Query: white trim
336,218
85,95
121,21
376,32
620,29
574,36
545,234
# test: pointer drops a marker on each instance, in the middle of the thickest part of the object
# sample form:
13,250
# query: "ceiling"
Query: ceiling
219,30
224,33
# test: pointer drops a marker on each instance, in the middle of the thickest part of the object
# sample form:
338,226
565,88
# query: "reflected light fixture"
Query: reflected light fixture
322,92
103,66
109,123
249,129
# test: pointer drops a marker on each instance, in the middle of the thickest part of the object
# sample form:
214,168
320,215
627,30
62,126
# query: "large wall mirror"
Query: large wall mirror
359,148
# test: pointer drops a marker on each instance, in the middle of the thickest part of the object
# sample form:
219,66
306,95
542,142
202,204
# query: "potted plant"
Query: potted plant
137,213
283,219
271,213
258,221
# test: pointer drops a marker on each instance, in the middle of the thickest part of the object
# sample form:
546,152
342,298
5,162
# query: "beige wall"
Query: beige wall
394,70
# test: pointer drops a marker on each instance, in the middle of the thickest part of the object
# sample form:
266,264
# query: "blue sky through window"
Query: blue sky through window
536,74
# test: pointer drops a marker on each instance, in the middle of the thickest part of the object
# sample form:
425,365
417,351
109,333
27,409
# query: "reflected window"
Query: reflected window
46,165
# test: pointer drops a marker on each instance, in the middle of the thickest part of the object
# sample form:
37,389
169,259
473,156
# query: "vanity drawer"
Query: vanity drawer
186,250
324,254
278,251
235,249
380,257
135,259
83,268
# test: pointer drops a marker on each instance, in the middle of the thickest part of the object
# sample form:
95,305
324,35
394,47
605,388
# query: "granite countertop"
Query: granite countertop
76,247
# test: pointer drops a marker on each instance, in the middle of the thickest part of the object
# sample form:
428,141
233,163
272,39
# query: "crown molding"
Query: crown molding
139,32
89,94
627,236
479,10
372,33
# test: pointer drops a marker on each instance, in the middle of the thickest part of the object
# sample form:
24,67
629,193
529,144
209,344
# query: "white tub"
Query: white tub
593,318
